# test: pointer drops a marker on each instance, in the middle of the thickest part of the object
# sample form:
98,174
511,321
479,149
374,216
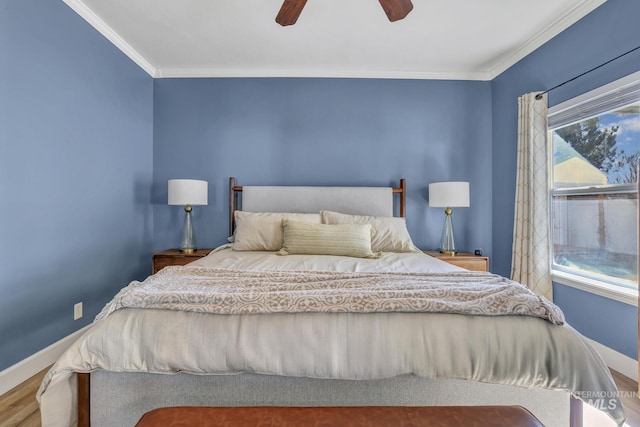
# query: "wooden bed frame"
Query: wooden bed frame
84,379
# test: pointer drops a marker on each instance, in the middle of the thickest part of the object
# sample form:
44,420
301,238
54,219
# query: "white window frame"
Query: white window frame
606,98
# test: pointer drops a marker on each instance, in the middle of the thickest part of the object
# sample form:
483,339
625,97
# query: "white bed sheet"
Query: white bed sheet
408,262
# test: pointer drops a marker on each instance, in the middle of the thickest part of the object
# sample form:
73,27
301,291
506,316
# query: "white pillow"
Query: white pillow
262,231
391,234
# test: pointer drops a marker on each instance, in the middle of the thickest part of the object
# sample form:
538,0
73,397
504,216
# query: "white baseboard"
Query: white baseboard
617,361
25,369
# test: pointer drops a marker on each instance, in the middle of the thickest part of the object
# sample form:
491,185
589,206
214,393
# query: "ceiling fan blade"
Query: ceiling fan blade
396,9
290,11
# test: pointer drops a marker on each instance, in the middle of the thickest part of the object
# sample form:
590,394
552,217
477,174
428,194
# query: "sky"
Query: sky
628,138
628,135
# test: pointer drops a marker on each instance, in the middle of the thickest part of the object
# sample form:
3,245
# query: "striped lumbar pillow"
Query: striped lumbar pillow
352,240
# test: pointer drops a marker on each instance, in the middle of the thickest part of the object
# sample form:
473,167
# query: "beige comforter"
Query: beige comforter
517,350
232,291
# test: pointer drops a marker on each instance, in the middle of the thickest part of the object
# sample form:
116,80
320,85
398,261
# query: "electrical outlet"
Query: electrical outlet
77,311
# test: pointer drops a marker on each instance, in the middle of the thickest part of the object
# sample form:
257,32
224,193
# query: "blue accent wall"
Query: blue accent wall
608,31
76,142
323,132
604,320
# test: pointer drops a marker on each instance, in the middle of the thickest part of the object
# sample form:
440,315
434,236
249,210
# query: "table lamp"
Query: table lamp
188,193
448,195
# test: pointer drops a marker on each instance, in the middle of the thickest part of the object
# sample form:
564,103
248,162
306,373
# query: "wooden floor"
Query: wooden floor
18,407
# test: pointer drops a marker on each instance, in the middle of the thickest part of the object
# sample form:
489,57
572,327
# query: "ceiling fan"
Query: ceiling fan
291,9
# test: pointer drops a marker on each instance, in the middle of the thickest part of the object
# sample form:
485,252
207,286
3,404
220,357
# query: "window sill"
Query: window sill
617,293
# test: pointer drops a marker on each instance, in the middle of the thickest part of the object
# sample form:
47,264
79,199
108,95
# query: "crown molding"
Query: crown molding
94,20
318,73
556,27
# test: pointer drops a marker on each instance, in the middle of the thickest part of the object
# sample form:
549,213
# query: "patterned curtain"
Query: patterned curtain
530,262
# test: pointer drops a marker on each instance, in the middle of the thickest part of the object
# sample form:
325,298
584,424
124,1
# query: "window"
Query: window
595,148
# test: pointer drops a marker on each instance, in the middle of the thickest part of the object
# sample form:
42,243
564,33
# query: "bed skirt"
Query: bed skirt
122,398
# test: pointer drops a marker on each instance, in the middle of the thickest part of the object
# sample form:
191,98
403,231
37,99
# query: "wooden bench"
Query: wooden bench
379,416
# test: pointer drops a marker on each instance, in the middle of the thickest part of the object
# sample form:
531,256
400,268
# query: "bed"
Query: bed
299,311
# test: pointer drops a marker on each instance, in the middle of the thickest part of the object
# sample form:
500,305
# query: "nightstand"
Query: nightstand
176,257
464,260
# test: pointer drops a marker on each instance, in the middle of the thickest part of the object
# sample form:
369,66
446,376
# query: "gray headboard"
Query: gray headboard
376,201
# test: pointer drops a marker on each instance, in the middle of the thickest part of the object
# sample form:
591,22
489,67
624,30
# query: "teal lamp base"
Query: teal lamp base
188,241
447,244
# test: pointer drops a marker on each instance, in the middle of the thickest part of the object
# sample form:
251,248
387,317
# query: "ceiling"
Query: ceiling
439,39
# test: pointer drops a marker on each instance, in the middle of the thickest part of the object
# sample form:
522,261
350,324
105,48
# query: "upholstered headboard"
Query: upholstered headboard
376,201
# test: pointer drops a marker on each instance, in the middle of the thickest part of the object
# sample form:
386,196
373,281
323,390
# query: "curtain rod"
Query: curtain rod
539,96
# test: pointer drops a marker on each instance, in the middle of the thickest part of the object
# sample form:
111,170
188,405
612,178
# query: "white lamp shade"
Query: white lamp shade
188,192
453,194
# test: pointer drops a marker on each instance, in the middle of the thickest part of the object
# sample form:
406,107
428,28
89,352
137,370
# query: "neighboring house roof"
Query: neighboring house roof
570,168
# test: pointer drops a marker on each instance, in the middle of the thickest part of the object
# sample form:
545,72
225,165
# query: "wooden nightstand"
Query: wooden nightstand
176,257
464,260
